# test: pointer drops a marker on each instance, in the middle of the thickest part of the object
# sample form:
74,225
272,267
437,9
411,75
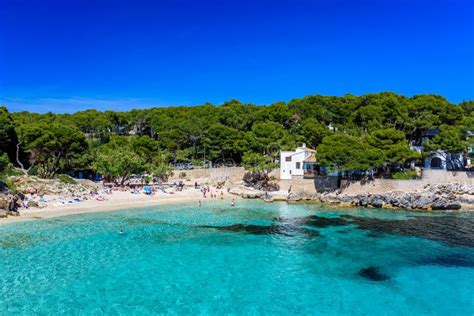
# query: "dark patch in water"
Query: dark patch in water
373,274
315,221
285,230
452,230
373,235
452,260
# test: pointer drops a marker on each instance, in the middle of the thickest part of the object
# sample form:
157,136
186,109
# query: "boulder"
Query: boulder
377,202
3,203
294,197
246,193
453,205
439,204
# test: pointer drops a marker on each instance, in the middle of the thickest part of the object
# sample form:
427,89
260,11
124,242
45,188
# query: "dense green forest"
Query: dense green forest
349,132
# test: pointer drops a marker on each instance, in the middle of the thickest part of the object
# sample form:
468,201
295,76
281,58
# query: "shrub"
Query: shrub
406,175
182,175
4,162
66,179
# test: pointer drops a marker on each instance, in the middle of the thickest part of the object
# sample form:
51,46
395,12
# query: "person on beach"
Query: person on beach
233,203
222,195
199,203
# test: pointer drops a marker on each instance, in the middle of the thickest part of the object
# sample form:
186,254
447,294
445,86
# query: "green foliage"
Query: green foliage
343,152
406,175
117,159
8,137
393,144
379,127
52,146
258,163
450,138
4,162
66,179
161,170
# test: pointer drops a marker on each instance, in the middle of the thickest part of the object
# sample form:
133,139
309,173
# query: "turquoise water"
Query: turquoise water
255,258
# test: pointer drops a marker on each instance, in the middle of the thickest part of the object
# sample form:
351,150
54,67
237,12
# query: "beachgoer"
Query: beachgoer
233,203
199,203
121,232
222,195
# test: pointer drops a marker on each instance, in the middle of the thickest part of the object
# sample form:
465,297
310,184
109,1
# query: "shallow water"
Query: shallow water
255,258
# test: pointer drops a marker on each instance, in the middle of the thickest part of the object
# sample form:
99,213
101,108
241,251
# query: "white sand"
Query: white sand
115,201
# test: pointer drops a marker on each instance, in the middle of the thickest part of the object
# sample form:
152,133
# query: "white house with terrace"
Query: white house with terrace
298,163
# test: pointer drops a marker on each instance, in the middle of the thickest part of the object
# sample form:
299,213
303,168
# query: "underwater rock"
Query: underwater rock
373,274
452,230
286,230
452,260
315,221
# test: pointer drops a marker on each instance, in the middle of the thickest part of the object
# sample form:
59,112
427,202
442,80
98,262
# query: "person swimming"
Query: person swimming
121,232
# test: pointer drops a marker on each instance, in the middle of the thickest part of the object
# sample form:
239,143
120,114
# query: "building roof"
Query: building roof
310,158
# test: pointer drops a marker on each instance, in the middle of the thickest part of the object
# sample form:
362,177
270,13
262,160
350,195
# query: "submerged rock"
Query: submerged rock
373,274
453,260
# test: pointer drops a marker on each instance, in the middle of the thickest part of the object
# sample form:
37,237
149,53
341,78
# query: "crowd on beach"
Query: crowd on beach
42,198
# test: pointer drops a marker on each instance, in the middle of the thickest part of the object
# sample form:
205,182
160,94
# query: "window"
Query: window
298,165
288,158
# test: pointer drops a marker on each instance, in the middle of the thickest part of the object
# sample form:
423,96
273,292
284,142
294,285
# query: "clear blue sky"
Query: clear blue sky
69,55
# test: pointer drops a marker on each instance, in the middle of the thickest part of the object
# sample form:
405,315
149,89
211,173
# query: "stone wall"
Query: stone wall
211,175
310,186
233,175
430,176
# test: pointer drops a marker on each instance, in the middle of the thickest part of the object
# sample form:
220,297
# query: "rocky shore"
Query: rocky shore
436,197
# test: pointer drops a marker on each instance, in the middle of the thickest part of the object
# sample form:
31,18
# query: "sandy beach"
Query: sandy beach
115,201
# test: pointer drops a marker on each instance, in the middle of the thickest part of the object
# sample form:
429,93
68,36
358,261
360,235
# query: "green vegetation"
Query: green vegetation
66,179
349,132
406,175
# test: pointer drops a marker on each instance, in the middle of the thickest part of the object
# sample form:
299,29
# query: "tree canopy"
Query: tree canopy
349,132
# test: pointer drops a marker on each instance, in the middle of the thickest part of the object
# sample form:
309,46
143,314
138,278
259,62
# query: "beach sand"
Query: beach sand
115,201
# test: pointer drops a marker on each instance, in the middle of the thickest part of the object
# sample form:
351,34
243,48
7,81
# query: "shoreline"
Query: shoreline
124,200
92,206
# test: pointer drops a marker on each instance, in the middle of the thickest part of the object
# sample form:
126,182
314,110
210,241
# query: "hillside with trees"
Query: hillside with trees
372,131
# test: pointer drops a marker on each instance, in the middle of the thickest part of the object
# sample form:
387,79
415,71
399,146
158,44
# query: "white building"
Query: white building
292,163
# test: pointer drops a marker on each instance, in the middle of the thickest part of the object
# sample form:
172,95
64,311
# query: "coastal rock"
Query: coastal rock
3,203
453,205
3,214
439,204
246,193
294,197
377,202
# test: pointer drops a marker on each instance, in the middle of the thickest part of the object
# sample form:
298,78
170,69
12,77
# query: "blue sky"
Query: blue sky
64,56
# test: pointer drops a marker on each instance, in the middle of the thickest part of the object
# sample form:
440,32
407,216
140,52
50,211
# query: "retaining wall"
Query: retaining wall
430,176
233,175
